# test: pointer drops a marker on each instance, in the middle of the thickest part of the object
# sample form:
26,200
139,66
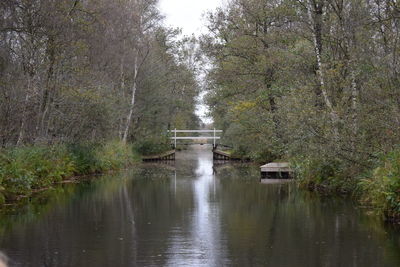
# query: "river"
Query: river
193,213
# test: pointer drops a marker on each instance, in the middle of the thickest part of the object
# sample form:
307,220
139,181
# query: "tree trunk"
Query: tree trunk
315,24
132,105
46,98
23,119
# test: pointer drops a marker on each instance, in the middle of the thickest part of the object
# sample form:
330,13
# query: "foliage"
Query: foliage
90,76
381,189
115,155
28,168
90,71
25,169
84,157
152,146
324,175
312,82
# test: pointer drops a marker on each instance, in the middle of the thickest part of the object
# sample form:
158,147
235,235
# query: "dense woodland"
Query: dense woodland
315,82
91,70
87,86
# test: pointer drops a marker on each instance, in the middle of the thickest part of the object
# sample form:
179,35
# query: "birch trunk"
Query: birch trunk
122,89
315,25
132,105
354,101
348,45
23,119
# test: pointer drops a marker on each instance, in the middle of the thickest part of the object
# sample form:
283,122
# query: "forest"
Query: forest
83,80
313,82
86,85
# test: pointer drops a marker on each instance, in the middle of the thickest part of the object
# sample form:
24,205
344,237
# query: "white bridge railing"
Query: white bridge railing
214,137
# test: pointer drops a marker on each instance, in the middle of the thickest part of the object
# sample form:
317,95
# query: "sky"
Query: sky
188,15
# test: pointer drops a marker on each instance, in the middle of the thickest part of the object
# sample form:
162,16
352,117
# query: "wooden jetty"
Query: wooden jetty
276,170
221,155
169,155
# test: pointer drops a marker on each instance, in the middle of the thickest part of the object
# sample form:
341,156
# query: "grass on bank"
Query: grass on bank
26,169
381,188
377,188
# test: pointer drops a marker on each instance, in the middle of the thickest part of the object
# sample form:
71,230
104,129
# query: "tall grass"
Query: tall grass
325,175
378,188
381,190
25,169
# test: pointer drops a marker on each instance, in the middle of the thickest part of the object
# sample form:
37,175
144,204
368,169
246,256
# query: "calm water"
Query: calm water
194,213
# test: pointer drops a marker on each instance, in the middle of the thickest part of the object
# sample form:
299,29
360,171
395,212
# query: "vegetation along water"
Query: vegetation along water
89,87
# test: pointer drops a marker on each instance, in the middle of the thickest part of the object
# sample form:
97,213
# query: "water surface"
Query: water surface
194,213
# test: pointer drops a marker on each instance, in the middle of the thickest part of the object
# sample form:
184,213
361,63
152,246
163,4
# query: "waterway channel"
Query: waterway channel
194,212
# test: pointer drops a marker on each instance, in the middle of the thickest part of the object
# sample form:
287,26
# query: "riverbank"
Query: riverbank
29,169
221,214
376,187
374,184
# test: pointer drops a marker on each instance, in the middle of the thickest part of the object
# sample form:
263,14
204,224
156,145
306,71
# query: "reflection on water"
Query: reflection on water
200,246
194,214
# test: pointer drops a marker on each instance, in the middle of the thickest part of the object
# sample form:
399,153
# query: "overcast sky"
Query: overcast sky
188,15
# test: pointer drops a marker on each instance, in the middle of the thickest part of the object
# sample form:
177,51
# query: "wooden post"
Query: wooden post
214,138
175,140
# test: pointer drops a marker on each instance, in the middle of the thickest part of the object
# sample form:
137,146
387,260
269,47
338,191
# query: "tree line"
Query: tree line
311,81
91,70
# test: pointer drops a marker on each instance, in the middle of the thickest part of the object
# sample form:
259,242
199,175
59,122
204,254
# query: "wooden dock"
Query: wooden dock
221,155
276,170
169,155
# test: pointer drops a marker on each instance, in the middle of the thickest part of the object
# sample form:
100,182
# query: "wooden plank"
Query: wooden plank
222,153
195,131
225,155
160,156
194,137
276,181
269,169
276,167
275,170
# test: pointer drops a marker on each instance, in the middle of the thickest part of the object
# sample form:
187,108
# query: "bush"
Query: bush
326,175
381,189
27,168
114,155
152,146
24,169
264,156
84,157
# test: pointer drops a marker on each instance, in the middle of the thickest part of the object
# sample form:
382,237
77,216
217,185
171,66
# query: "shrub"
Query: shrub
25,168
264,156
381,189
152,146
84,157
324,174
114,155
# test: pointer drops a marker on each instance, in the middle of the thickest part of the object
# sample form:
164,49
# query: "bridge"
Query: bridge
214,137
170,155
